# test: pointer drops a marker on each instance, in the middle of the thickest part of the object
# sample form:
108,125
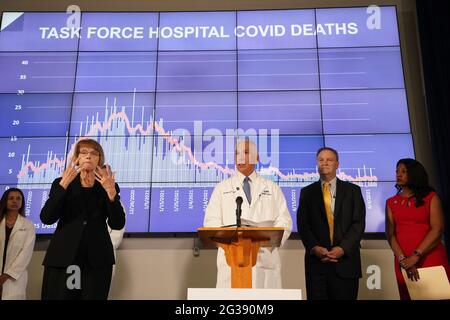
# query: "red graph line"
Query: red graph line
132,130
179,147
313,175
30,165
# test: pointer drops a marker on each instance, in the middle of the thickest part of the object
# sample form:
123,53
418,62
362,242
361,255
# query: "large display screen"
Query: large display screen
167,93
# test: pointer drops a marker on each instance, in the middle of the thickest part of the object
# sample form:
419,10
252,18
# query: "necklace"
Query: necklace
10,224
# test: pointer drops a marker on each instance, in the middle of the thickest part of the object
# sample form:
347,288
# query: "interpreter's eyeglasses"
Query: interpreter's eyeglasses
94,153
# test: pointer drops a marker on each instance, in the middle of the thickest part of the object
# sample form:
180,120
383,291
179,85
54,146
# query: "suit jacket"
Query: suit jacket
349,224
74,223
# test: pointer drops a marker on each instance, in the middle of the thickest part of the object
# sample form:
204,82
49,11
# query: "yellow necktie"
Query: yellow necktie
327,201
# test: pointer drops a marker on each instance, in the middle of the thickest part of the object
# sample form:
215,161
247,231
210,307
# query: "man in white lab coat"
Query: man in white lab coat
263,200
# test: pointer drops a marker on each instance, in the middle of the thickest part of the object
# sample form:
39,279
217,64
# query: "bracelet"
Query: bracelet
401,260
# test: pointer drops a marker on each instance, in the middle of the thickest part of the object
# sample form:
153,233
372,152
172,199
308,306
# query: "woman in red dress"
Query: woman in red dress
414,224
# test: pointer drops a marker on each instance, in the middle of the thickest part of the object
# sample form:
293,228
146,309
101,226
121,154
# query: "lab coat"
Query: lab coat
18,256
117,235
268,203
116,240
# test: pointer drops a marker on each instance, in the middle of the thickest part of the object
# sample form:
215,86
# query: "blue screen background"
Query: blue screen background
156,103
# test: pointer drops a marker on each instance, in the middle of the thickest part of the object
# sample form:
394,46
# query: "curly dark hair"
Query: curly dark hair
417,180
4,201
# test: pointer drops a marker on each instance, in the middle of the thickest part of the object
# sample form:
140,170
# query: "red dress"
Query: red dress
411,227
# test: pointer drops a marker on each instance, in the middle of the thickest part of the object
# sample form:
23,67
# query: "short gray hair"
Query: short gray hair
252,148
251,145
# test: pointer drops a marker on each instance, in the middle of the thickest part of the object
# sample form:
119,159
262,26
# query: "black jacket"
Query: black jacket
67,207
349,224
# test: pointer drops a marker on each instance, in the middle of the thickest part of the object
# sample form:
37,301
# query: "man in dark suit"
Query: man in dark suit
330,221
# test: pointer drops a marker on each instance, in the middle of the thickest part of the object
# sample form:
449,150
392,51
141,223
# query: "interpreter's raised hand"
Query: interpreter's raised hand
72,170
107,179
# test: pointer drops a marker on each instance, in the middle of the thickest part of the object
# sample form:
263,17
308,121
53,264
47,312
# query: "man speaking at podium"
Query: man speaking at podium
263,201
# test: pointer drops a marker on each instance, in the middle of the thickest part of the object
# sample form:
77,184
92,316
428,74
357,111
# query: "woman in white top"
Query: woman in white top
17,236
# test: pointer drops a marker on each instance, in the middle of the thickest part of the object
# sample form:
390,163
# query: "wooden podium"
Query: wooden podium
241,246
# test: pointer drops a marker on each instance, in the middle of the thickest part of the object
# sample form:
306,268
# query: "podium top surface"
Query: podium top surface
268,237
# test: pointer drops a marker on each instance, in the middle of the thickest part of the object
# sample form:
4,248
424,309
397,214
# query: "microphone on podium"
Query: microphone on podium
238,211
